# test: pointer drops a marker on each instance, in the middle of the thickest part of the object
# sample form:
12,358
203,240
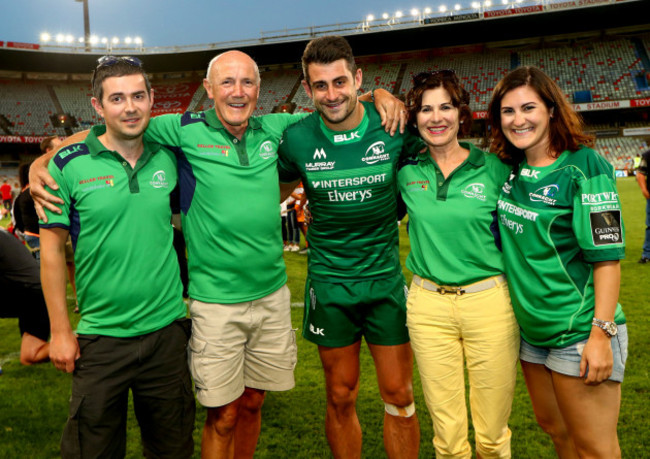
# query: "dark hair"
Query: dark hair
116,66
566,129
325,50
46,143
448,80
23,174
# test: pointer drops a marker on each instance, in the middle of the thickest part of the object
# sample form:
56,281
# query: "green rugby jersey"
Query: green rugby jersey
230,203
119,218
555,222
350,180
453,222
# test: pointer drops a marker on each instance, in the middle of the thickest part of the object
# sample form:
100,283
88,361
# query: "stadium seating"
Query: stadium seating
620,150
28,107
75,100
604,68
477,73
591,69
275,89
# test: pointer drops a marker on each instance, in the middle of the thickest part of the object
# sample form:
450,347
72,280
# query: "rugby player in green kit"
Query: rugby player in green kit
355,287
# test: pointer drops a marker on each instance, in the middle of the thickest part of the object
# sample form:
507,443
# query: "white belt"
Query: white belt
472,288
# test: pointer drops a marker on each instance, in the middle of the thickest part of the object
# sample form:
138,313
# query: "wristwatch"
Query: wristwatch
610,327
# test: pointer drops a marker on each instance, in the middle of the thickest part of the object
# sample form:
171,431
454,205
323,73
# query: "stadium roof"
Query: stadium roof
504,28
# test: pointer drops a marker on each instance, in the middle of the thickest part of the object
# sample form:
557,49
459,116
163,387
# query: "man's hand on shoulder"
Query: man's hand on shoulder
39,178
392,111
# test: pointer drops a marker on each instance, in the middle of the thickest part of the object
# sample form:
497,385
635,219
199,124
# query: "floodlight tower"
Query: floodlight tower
86,24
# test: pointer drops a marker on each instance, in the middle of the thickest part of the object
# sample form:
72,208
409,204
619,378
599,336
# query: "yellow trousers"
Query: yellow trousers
481,329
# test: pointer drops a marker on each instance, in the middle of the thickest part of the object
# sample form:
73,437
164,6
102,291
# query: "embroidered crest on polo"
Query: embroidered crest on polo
159,180
267,150
475,191
96,183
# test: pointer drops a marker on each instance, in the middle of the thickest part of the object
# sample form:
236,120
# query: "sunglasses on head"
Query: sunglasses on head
108,61
422,77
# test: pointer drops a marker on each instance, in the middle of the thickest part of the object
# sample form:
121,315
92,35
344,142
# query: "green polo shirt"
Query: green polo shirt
452,222
119,218
230,203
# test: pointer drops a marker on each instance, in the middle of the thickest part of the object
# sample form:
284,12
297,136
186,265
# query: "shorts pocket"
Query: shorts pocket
622,342
70,441
412,295
196,358
294,349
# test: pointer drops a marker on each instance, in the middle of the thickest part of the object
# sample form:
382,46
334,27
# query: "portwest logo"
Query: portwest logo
545,194
608,197
475,191
320,154
159,180
376,153
267,150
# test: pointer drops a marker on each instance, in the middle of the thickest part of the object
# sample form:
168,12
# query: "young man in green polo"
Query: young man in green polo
133,332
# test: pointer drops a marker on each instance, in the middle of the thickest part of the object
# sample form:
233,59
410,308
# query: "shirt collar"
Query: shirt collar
213,121
476,157
96,147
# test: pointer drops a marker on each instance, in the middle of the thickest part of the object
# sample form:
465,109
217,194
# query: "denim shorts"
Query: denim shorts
566,360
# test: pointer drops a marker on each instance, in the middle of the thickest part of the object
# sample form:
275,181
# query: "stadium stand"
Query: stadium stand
589,69
596,71
28,107
620,150
75,99
276,89
478,73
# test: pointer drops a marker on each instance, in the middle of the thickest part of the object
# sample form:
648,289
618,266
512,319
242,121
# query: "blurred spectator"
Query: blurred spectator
644,183
26,220
301,202
7,196
292,243
22,298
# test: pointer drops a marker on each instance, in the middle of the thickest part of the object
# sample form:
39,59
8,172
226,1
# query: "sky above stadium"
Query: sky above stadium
186,22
